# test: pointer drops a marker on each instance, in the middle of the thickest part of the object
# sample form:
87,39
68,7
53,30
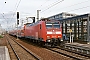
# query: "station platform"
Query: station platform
79,48
79,45
4,54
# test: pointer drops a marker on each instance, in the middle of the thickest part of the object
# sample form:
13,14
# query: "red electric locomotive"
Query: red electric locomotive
46,32
43,32
13,32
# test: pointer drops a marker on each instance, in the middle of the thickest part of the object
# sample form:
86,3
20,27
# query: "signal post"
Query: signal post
17,23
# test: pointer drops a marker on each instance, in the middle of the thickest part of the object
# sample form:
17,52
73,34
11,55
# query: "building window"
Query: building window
56,16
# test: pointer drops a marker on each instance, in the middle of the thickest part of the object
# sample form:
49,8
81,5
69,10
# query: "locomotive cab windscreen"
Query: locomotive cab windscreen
52,24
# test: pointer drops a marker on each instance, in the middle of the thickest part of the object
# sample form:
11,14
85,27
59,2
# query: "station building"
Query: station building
61,16
79,26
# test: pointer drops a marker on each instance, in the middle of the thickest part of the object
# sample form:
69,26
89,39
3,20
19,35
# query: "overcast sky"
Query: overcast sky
28,8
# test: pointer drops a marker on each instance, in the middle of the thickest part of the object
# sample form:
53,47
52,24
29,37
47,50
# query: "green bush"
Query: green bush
1,36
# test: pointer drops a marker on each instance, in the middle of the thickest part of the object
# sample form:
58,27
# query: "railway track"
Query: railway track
69,54
21,52
81,49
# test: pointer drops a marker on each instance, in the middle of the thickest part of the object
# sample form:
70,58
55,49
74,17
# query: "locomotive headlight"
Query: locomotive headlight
58,32
61,39
49,32
48,40
48,37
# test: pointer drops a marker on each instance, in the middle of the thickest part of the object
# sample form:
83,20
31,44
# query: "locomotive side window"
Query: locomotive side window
40,26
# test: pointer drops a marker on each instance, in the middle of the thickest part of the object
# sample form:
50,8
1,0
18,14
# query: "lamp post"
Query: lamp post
72,38
27,19
70,30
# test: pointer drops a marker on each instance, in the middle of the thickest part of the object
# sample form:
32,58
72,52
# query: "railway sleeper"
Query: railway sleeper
78,50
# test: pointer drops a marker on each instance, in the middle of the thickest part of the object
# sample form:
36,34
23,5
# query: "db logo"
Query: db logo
53,32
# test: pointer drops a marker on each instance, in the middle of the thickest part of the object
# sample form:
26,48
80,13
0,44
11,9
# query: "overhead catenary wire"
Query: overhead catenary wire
2,9
57,2
74,5
41,6
13,14
49,6
3,13
78,8
52,6
17,5
44,3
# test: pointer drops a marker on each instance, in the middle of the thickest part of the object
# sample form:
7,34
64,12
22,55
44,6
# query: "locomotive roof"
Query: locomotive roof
38,22
27,23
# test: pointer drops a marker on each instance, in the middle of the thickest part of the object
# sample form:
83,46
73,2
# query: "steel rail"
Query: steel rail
73,57
31,53
13,49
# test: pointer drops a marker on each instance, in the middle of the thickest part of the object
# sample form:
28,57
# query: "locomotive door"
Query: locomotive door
40,31
24,31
